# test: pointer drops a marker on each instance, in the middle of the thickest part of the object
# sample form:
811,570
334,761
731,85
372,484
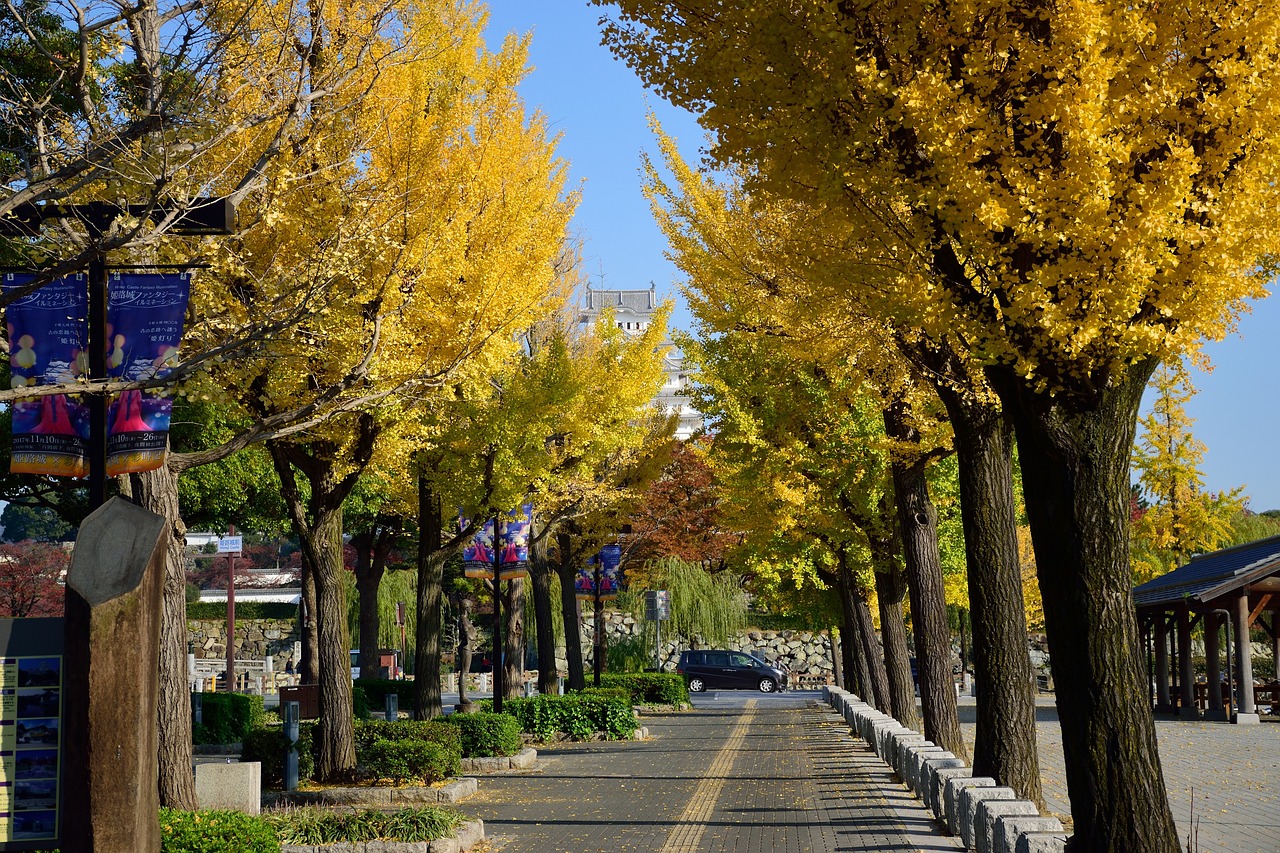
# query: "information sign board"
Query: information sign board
230,544
31,709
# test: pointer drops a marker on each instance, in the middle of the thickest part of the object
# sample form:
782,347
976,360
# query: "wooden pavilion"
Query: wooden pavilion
1235,589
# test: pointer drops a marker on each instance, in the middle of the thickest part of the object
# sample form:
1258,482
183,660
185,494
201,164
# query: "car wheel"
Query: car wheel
696,685
768,685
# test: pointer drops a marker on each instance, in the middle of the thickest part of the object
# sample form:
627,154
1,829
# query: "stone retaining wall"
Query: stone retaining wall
255,638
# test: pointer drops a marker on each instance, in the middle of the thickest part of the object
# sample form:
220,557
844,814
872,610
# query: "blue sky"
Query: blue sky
599,106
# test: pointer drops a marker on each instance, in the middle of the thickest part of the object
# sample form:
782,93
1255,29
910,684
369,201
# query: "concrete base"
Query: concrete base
1215,715
1189,713
236,787
1246,719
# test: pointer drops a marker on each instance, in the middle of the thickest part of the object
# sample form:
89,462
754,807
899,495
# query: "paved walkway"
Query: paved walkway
741,773
1233,772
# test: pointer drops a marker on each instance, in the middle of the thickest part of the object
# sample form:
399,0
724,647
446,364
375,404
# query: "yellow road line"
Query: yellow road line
687,834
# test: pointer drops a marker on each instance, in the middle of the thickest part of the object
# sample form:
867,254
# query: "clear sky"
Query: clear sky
600,108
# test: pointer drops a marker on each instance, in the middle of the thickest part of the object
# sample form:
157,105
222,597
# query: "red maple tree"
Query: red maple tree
680,516
31,575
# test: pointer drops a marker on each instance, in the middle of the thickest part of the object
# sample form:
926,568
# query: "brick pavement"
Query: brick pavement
1234,772
740,774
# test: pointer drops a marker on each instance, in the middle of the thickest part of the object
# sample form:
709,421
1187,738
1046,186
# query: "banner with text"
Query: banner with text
47,346
607,566
513,544
144,329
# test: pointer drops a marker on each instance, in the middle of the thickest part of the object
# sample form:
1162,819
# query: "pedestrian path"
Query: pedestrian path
739,774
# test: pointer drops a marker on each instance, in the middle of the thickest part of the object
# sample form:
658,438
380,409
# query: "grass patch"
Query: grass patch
320,826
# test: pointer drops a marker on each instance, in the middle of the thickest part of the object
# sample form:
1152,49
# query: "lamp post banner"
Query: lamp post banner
47,346
144,328
610,561
513,541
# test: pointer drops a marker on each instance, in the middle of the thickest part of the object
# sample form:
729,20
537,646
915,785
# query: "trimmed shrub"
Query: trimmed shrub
360,704
215,832
447,737
314,826
407,760
605,693
210,610
578,716
227,716
267,746
487,735
650,688
376,690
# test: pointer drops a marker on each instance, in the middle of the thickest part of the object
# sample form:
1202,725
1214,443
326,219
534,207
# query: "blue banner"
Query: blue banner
513,541
609,564
47,346
144,329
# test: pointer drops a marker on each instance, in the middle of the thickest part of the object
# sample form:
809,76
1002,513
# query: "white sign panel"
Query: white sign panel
230,544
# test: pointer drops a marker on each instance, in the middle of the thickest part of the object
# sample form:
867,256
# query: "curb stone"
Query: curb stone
456,790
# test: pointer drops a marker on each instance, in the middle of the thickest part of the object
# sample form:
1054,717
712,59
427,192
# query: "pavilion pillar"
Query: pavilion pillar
1160,630
1275,645
1244,664
1213,668
1187,709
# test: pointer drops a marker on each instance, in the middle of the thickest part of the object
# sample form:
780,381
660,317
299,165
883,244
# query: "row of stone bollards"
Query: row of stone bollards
986,817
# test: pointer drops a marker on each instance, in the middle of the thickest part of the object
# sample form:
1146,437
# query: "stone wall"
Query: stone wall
255,639
804,652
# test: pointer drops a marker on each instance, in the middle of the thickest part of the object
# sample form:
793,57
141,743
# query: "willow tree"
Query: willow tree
1086,190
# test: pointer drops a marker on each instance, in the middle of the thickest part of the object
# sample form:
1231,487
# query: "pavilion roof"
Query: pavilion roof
1208,576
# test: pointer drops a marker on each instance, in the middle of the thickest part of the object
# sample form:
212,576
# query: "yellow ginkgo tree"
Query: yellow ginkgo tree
1071,193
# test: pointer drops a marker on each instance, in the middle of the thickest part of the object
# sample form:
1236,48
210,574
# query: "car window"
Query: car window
717,659
693,658
742,660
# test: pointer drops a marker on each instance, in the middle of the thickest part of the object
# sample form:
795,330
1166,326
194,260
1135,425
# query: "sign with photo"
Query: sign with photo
31,706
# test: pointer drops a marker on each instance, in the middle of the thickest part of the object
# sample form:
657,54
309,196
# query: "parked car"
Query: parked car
722,669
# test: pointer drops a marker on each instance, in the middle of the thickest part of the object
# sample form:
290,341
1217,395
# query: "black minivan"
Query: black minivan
721,669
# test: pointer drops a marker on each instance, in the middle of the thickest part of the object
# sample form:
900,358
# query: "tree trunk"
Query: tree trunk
513,640
856,675
569,608
336,753
431,559
1075,454
918,525
466,643
869,648
540,581
308,665
891,588
1005,744
158,491
370,567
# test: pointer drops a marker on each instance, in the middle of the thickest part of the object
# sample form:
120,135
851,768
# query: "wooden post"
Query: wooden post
1160,630
1187,709
110,787
1244,663
1213,668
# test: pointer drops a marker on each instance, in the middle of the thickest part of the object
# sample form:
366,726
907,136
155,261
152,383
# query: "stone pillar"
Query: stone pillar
113,597
1275,646
1213,667
1186,670
1160,632
1244,662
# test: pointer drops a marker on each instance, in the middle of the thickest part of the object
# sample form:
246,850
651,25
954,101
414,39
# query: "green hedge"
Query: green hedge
244,610
267,746
371,732
227,716
487,735
215,832
576,715
606,693
316,826
406,760
650,688
376,690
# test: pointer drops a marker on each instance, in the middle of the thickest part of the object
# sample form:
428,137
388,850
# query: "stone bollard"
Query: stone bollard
929,767
970,799
989,811
951,798
1010,828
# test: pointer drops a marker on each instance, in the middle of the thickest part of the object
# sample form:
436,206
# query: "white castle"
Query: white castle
632,311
